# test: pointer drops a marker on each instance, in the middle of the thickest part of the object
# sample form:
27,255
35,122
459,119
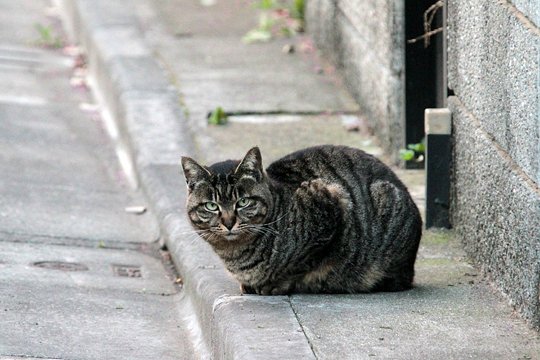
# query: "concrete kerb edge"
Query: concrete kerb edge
209,287
117,101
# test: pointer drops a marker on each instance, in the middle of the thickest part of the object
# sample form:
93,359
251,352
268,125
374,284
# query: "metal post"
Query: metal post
438,125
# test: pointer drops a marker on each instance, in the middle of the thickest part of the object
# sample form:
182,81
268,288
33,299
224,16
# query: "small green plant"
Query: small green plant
414,152
298,10
266,4
47,37
263,32
277,18
217,117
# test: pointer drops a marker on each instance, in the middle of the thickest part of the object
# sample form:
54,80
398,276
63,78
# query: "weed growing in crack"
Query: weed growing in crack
277,18
47,37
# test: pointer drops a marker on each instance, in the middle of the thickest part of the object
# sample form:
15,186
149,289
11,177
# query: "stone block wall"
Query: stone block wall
365,38
494,71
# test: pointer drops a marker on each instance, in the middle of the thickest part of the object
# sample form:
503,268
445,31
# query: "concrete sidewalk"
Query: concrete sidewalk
143,59
80,277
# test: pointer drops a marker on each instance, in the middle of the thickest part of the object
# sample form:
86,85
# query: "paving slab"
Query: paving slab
28,71
32,135
424,323
87,314
452,313
59,178
212,66
207,18
18,20
100,268
279,135
65,212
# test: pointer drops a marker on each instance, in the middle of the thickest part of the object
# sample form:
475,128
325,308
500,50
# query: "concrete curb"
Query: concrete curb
152,127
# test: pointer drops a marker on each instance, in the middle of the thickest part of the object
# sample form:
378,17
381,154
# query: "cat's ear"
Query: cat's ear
251,165
193,172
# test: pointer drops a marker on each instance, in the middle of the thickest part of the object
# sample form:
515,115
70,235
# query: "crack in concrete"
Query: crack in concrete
311,346
15,357
282,112
73,241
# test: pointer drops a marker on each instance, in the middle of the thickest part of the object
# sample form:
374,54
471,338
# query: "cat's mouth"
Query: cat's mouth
234,235
231,236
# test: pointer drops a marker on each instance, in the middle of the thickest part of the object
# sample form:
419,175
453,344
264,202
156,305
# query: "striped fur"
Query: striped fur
327,219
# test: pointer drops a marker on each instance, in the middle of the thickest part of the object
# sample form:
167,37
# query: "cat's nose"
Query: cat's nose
228,222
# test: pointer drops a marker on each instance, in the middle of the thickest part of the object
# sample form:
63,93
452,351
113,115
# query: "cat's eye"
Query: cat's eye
243,202
211,206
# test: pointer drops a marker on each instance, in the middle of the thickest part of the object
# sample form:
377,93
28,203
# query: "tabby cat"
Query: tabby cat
326,219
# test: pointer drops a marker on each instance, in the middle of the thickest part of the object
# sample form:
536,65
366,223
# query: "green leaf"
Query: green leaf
406,155
266,4
47,36
297,10
257,35
266,23
286,31
418,148
217,117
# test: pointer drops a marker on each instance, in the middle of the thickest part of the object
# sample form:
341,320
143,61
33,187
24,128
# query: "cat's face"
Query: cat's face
228,201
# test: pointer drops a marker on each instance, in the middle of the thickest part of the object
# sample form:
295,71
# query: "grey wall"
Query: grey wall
494,70
365,39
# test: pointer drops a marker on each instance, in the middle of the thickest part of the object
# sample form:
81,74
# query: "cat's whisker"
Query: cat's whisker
278,219
265,230
252,231
258,229
187,233
255,232
212,237
184,229
195,236
206,236
191,233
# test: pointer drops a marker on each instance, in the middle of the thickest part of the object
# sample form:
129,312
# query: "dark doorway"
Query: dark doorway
426,87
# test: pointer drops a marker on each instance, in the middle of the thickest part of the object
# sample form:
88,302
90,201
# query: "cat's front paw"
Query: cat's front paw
273,289
246,289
